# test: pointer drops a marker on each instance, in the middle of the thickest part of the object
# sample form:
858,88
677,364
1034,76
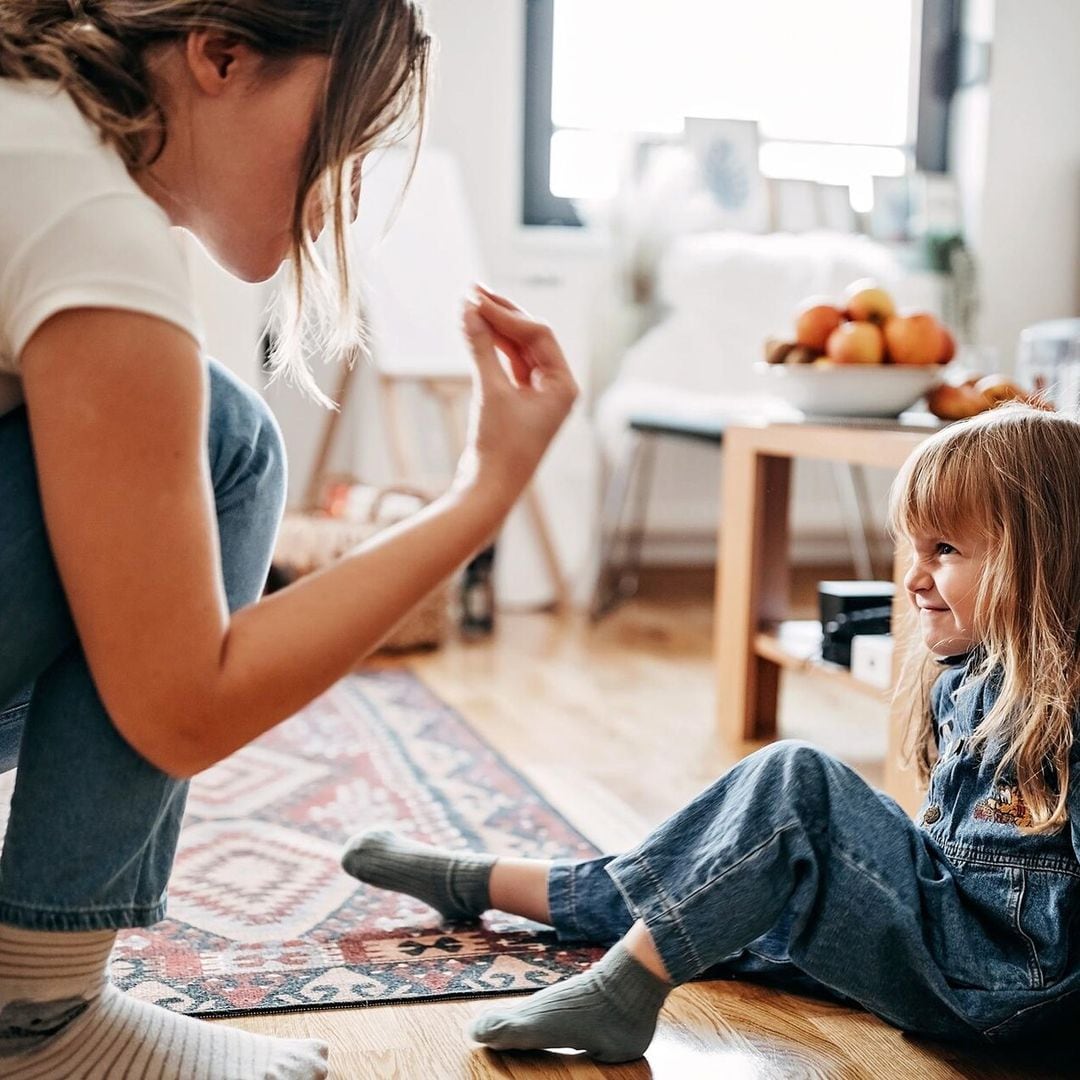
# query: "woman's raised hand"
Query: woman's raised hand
515,411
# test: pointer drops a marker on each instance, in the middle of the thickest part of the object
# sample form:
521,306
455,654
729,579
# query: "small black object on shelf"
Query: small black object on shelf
849,608
478,594
838,632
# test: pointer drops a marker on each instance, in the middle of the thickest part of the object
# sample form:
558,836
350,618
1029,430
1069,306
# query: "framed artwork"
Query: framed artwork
726,152
890,218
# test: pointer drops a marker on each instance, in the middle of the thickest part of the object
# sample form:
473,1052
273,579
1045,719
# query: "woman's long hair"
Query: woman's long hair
1012,478
379,56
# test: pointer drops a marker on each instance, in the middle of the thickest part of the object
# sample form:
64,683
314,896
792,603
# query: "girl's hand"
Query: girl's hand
515,413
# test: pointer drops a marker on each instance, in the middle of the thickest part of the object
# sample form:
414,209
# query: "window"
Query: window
834,86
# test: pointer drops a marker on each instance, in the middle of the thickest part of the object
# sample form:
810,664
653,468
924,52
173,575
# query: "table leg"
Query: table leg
901,780
752,584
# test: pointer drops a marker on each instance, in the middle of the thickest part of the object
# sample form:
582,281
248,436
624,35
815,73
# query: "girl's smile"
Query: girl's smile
942,585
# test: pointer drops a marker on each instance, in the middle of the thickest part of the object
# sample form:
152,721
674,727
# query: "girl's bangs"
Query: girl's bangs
937,493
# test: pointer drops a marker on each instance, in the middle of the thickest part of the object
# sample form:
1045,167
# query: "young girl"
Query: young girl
959,924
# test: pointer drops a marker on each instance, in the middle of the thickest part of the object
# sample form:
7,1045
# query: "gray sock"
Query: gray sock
454,883
608,1011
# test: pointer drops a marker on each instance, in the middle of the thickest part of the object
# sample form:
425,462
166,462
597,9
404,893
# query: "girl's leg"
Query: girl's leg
788,831
93,826
578,899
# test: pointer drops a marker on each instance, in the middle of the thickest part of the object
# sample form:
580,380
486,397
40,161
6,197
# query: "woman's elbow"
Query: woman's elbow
180,746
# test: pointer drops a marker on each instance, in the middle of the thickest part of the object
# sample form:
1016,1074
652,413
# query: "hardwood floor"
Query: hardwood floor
614,724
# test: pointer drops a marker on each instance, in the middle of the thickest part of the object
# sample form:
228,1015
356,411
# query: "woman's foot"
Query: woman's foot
59,1016
609,1011
116,1035
455,883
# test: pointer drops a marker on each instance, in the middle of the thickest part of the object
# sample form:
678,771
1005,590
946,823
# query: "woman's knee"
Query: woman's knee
245,438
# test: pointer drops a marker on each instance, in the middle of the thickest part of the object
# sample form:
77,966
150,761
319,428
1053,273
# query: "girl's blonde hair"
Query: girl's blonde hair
1011,477
379,53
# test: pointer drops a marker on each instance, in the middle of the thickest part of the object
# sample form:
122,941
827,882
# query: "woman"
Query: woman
141,486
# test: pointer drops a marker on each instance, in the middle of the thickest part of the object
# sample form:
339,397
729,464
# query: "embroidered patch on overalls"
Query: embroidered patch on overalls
1004,807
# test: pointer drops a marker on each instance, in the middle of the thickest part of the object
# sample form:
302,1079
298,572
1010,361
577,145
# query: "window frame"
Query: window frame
937,83
538,205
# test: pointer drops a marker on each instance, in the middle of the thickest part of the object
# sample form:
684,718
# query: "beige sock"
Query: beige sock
60,1016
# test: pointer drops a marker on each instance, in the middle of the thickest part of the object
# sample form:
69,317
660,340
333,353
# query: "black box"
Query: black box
849,608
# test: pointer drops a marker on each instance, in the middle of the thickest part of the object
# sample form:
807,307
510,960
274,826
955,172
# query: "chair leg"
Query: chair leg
606,594
858,520
630,568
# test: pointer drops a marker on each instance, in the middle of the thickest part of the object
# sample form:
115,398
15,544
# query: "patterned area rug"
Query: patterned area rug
262,918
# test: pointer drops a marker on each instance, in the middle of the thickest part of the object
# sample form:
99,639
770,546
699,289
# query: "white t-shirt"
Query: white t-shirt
75,229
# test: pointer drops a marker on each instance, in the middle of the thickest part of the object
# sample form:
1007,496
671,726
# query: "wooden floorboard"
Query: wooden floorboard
614,725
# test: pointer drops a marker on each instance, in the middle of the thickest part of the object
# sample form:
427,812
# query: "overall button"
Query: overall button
931,815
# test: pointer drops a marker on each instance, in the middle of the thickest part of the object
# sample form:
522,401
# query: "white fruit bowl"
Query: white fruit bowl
827,389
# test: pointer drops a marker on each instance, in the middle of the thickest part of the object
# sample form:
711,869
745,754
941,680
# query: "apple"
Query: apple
776,350
997,389
949,402
913,339
948,346
855,343
868,302
814,323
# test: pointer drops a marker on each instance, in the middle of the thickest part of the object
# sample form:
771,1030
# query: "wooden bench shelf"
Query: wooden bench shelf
795,645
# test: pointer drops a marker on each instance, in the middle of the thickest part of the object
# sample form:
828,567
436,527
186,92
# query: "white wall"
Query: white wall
1018,161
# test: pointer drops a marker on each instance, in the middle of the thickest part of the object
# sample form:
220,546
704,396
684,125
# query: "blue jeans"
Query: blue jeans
93,827
790,867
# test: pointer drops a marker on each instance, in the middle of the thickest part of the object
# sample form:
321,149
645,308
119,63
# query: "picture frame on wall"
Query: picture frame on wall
726,152
890,218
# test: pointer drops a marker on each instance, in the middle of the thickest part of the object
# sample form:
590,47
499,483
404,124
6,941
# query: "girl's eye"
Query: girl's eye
943,548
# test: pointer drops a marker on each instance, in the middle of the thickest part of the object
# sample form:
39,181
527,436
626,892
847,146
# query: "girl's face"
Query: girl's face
237,134
942,584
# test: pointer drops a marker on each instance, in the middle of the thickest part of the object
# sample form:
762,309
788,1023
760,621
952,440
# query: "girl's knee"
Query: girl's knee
791,766
792,755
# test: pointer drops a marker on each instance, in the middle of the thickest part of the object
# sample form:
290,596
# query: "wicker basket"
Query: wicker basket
308,541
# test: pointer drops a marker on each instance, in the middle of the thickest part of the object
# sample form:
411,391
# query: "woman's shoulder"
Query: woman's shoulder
75,229
40,117
51,158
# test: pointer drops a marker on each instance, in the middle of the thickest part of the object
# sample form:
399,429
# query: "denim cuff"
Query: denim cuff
561,904
12,722
585,906
74,919
645,896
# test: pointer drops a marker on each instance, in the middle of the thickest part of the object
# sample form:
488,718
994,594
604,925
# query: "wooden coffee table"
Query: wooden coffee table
753,577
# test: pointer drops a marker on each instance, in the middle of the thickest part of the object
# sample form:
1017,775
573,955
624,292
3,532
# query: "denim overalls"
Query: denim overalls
790,867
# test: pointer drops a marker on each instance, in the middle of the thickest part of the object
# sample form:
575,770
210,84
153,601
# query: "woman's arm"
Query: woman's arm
118,411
